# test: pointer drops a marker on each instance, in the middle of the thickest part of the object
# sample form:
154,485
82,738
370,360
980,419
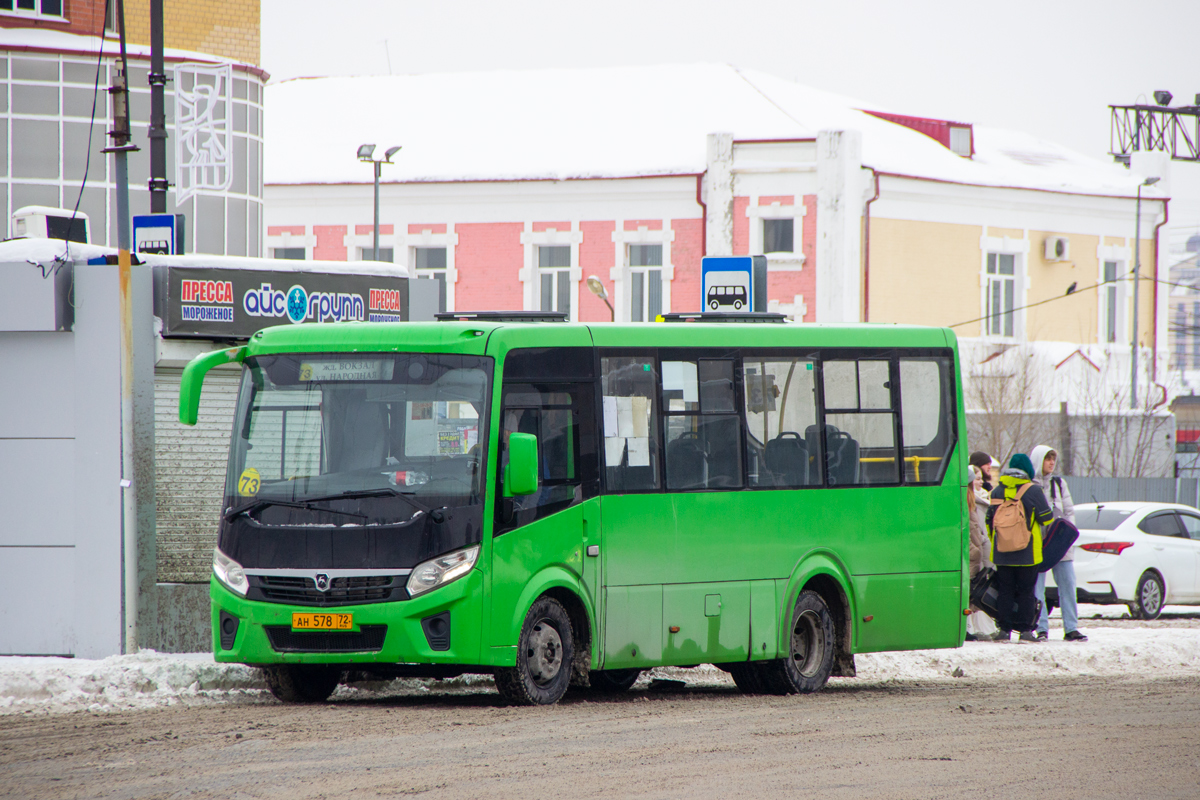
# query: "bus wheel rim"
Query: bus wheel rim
808,644
544,652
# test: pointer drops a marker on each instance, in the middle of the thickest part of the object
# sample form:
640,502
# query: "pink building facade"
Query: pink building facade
532,244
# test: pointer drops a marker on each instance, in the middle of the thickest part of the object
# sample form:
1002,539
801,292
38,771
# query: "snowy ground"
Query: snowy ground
1167,647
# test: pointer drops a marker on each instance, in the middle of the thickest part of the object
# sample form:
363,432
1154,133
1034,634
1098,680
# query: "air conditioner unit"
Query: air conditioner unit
1058,248
43,222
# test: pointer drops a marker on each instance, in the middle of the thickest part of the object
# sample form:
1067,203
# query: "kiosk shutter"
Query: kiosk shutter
189,473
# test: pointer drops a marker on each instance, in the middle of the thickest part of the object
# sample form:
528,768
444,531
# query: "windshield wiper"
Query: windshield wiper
254,505
386,491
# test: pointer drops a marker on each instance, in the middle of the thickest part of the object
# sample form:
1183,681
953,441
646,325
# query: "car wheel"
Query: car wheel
544,654
1150,594
810,650
613,681
302,683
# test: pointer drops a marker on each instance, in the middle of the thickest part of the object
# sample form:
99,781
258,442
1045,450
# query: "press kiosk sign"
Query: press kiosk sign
216,303
734,283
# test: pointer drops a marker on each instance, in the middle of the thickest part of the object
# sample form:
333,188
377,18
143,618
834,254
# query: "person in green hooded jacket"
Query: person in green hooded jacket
1017,571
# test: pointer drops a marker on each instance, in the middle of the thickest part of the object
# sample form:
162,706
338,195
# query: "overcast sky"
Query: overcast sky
1046,67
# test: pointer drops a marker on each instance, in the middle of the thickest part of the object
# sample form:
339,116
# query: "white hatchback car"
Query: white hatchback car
1145,555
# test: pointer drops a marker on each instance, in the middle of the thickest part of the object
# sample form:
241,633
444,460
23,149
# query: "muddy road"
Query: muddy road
1080,737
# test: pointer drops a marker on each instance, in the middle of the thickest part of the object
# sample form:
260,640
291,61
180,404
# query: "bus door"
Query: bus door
557,524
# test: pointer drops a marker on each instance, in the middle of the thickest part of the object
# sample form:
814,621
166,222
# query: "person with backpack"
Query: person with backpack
1015,518
1055,488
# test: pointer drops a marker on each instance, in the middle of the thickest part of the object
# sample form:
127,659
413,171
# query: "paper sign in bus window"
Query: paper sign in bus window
610,415
639,451
614,450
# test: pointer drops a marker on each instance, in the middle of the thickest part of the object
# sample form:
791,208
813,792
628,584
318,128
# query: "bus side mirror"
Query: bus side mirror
521,473
193,379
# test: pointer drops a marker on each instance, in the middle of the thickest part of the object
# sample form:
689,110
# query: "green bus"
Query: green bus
565,504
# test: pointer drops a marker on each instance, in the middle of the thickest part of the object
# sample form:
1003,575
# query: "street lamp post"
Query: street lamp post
1137,269
597,288
366,153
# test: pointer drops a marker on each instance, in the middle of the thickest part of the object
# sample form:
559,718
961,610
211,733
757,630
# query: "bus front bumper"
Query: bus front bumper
262,632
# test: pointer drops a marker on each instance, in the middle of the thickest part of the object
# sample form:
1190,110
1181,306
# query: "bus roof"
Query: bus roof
474,336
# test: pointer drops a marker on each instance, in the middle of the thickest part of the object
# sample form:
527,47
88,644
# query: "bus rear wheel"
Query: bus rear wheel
811,646
747,676
545,652
302,683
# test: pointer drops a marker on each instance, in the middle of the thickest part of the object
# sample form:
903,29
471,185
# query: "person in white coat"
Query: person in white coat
1045,459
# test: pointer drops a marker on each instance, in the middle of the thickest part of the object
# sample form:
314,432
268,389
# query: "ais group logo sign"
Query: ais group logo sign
298,304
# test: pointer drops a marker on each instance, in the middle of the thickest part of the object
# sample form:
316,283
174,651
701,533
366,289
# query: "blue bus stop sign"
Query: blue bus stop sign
734,283
158,233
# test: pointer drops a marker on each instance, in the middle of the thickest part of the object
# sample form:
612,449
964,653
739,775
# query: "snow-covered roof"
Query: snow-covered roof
45,251
616,122
36,38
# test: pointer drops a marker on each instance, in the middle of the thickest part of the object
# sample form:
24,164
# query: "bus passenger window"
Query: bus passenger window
781,404
703,447
860,430
629,385
926,417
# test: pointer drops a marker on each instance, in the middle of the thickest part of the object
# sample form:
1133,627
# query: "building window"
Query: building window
41,8
554,278
430,263
368,254
778,236
1110,301
960,140
1001,291
288,253
645,282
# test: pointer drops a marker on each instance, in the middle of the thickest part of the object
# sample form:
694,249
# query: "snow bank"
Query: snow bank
144,680
149,679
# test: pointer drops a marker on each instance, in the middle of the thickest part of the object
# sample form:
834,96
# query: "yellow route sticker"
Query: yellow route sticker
248,482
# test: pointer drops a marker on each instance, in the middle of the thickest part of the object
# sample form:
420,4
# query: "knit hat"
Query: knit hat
1021,461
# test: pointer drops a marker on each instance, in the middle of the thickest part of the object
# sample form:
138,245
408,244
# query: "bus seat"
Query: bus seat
841,457
685,462
722,440
787,458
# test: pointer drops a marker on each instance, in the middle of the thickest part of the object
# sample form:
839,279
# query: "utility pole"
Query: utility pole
1137,270
121,147
158,114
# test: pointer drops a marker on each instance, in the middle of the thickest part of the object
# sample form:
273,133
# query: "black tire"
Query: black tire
302,683
1148,603
811,646
737,305
747,677
545,651
613,681
714,305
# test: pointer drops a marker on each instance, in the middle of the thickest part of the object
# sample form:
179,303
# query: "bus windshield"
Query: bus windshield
320,427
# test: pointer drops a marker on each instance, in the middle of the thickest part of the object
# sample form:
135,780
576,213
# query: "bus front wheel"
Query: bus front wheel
302,683
545,652
811,646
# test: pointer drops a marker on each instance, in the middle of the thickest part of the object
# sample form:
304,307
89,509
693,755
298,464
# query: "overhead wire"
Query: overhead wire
87,164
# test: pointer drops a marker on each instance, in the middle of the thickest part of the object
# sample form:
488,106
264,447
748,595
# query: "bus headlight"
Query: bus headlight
230,572
441,570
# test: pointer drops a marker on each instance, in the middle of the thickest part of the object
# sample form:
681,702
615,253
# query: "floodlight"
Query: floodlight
1163,98
391,151
365,151
1151,181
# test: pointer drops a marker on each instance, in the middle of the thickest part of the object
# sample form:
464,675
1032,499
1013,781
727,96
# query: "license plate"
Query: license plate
322,622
